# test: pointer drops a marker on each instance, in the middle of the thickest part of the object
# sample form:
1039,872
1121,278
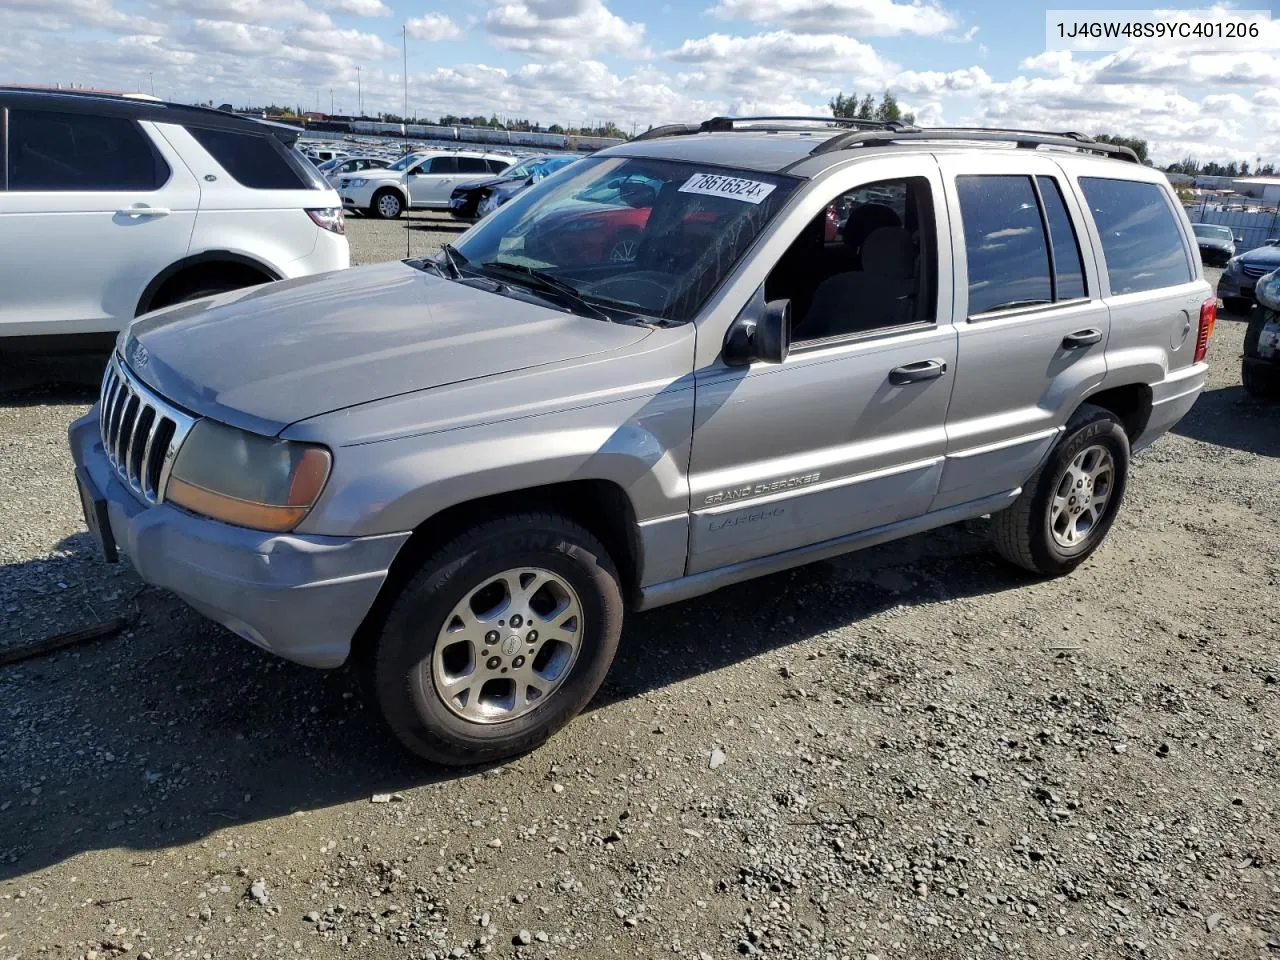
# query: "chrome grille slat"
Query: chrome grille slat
131,418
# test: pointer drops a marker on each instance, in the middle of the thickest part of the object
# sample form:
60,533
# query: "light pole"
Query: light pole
152,77
359,95
404,31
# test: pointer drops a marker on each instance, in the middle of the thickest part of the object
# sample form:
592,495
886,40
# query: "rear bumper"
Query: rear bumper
299,597
1171,398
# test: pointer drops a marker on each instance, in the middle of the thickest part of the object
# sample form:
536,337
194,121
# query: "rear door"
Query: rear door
1030,314
96,207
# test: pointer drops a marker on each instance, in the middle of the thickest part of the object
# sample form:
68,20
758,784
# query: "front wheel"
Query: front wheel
1069,504
500,640
386,205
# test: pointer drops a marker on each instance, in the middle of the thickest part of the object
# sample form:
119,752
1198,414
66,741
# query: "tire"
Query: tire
1237,305
387,204
411,663
1023,533
1261,380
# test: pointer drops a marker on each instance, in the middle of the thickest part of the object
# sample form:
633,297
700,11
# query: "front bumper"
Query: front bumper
299,597
1237,286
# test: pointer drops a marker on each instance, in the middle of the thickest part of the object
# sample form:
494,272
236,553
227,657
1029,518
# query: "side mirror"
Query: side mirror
1238,239
761,332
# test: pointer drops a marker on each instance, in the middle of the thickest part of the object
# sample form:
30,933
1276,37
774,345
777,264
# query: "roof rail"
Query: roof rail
1027,139
728,125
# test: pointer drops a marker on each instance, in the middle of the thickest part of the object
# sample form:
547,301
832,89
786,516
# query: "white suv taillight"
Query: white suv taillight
330,218
1208,315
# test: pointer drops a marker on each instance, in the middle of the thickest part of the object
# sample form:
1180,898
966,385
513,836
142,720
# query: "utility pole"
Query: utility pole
152,77
404,32
331,101
359,95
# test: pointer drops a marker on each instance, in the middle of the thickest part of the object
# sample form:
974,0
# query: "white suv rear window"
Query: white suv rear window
253,160
1141,239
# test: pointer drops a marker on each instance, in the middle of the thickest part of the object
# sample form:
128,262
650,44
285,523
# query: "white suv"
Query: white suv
418,180
114,206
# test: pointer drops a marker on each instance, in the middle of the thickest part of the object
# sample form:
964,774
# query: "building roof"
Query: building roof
1258,181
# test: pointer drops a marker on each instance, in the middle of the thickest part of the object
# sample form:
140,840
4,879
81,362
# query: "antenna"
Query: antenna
404,175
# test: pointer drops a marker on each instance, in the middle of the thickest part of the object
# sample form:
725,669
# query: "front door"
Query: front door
848,433
432,181
96,207
1032,322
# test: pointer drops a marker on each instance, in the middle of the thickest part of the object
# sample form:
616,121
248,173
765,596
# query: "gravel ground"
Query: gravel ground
907,752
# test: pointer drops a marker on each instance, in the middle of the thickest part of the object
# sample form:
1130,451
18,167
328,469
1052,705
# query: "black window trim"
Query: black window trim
845,339
4,147
1035,308
311,179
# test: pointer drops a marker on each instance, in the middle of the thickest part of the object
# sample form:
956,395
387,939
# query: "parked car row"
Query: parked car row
475,199
422,180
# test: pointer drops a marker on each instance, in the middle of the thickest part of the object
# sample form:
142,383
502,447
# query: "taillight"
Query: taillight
329,218
1208,316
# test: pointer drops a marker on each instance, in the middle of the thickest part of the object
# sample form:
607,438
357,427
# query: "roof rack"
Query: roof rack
1027,139
729,125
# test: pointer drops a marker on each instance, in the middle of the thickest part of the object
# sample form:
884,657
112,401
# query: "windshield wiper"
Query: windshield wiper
545,282
453,258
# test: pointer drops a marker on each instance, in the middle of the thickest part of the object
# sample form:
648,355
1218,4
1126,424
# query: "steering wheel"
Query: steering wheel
628,286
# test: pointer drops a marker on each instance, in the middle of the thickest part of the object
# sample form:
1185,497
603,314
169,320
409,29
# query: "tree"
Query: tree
1137,146
555,128
851,108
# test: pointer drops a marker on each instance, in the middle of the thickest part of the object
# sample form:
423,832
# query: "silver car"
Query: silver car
462,471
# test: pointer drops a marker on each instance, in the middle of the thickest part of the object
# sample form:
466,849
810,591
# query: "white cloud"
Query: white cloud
243,11
357,8
562,28
66,14
434,27
868,18
353,42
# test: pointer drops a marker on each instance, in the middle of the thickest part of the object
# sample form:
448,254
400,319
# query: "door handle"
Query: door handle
918,371
142,210
1081,339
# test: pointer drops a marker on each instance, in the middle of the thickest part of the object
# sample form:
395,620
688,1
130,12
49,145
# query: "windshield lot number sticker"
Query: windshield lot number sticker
716,185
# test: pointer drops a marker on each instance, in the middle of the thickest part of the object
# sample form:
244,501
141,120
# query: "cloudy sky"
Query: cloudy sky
652,61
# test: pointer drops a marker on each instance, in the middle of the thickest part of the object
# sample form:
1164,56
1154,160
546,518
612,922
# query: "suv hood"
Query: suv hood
269,356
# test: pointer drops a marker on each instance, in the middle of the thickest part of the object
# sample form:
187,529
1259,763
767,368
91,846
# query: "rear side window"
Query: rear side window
69,152
253,160
1005,243
1068,268
472,165
441,165
496,166
1141,239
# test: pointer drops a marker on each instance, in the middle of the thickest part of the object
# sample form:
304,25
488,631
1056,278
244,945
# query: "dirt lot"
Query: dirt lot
908,752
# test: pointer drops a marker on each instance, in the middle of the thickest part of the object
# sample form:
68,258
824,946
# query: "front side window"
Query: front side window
69,152
440,165
866,263
256,161
1141,239
648,237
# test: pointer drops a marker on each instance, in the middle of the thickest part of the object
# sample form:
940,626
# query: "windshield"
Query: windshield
408,160
650,237
1211,232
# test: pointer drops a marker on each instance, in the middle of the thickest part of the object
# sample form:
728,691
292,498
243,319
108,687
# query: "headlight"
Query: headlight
1233,263
1268,291
247,480
357,182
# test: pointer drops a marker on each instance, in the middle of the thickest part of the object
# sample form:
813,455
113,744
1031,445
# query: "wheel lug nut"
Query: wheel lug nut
516,621
533,636
493,663
484,653
491,637
518,662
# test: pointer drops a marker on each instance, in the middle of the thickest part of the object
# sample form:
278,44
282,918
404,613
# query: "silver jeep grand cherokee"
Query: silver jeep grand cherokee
709,354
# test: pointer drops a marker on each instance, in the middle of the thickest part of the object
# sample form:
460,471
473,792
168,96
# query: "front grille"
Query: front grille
140,432
1255,271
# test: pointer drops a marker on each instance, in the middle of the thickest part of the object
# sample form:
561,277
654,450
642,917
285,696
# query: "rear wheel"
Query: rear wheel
1069,504
499,640
1261,377
386,205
